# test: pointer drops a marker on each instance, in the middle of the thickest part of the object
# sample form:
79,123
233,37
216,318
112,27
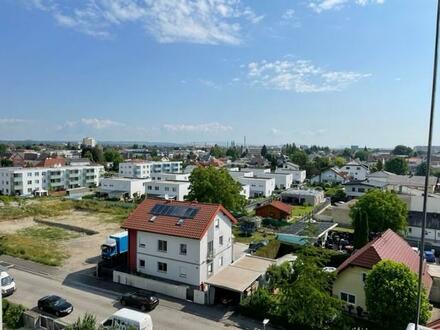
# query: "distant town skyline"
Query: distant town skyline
323,72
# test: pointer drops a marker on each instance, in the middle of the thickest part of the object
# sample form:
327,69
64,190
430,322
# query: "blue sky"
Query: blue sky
327,72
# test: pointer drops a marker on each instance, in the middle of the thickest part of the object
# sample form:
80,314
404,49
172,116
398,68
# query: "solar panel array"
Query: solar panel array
174,211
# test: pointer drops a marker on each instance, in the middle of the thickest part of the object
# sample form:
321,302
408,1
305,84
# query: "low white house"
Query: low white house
298,176
283,180
117,187
332,175
184,242
168,189
170,176
356,188
258,186
146,169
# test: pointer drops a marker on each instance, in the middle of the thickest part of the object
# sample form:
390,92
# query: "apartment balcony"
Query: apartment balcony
210,255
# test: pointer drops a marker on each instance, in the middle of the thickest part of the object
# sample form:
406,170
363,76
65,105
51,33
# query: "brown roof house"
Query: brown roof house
275,210
351,274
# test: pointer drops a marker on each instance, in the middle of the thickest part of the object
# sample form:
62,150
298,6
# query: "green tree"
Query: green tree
88,322
383,209
397,166
362,155
233,152
6,162
217,151
299,157
391,296
95,154
339,161
402,150
264,151
3,148
212,185
379,165
362,232
347,153
113,155
421,169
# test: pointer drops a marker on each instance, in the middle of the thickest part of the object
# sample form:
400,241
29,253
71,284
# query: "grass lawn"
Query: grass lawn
300,210
257,236
38,243
18,208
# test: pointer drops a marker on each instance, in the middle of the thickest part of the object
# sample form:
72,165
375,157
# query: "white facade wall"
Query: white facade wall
191,268
356,172
357,190
327,176
170,176
179,189
245,190
129,186
259,186
25,181
144,170
298,176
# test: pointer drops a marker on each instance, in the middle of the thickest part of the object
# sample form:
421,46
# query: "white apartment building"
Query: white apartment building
168,189
180,241
298,176
24,181
283,180
146,169
170,176
332,175
117,186
89,142
258,186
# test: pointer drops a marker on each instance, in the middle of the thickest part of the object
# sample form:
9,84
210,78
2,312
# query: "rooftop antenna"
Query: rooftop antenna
428,165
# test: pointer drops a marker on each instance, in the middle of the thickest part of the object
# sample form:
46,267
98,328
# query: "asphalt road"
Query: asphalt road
168,315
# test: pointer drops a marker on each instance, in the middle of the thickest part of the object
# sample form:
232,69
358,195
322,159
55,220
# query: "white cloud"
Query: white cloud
195,21
209,83
101,123
323,5
299,76
212,128
7,121
290,18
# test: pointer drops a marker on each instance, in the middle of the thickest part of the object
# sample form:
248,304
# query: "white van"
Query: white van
7,284
126,318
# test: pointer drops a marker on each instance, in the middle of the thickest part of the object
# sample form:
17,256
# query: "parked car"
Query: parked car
429,256
55,305
7,284
142,300
254,246
127,318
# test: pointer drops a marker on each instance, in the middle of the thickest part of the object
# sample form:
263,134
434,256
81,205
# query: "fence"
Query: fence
33,320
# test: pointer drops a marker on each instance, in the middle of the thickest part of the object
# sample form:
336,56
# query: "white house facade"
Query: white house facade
355,170
117,185
144,169
170,189
188,250
331,175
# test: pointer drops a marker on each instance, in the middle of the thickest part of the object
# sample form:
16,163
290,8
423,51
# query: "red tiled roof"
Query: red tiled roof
52,162
387,246
434,325
191,228
286,208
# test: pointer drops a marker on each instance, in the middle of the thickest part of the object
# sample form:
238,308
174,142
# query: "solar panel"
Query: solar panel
174,211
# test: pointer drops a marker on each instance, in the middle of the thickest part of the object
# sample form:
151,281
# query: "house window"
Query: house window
353,189
142,245
156,187
361,190
409,229
30,182
150,187
167,188
348,298
220,261
162,267
364,277
182,272
162,246
217,223
29,174
210,268
220,240
141,263
174,189
183,249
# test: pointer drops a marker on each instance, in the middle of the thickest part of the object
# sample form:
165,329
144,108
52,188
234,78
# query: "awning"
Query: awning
241,274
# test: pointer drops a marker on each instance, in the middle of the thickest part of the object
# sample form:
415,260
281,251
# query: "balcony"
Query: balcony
210,255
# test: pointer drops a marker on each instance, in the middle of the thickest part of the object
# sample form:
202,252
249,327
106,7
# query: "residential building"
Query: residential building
170,176
89,142
303,196
118,187
354,170
258,186
146,169
298,176
402,183
282,180
356,188
185,242
275,210
290,166
332,175
168,189
351,274
25,181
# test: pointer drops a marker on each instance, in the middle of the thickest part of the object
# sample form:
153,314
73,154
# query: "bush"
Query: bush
88,322
257,305
274,223
13,315
270,250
